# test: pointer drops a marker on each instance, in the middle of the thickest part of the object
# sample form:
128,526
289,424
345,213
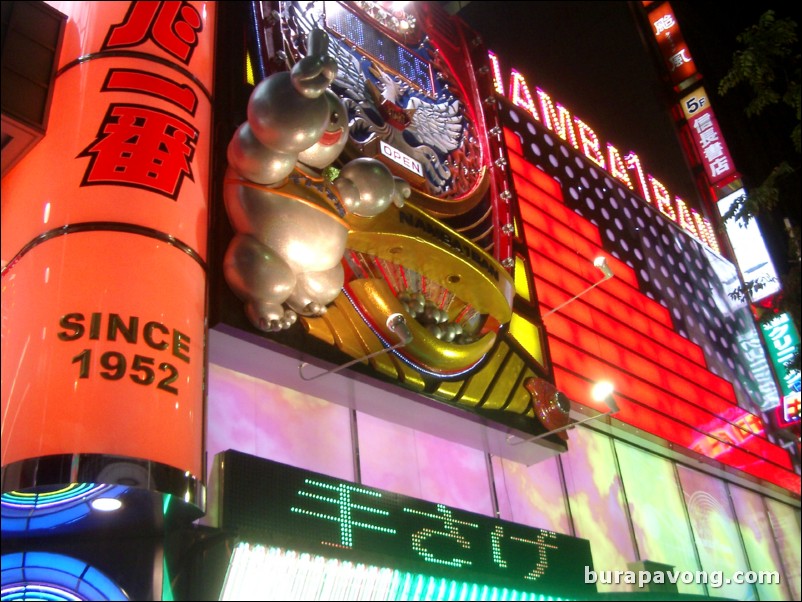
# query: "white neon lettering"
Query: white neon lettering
617,167
633,163
520,95
498,84
576,132
557,119
705,230
662,200
684,218
589,142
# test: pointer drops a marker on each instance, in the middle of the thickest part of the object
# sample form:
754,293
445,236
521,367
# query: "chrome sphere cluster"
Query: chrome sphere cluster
432,317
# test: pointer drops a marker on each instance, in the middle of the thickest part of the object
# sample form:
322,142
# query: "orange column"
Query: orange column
104,243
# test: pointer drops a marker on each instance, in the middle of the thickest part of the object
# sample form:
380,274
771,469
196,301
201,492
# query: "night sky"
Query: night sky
590,57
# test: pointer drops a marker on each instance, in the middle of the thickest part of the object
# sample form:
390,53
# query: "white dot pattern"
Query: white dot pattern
672,268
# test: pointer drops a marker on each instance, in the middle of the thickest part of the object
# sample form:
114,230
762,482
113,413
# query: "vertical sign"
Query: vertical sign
672,45
707,138
104,236
782,340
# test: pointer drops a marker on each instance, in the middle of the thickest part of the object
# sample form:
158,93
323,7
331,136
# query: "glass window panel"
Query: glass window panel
758,540
597,503
414,463
260,418
785,525
716,533
531,495
658,512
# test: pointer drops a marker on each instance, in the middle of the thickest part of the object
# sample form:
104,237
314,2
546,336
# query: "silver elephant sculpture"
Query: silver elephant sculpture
290,221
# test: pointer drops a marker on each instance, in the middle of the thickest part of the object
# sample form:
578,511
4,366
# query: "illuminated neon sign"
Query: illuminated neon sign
782,340
676,54
279,505
626,169
292,575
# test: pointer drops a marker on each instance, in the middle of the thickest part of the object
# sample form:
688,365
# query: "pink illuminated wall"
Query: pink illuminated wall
259,418
630,504
597,502
785,525
758,539
414,463
531,495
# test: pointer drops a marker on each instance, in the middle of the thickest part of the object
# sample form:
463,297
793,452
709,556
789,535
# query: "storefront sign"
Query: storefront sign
782,340
676,54
627,169
750,251
280,505
711,146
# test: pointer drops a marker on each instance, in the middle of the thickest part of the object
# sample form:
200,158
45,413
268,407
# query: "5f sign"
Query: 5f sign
694,103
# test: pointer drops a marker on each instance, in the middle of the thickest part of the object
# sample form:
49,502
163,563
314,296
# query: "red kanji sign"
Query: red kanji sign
173,27
141,147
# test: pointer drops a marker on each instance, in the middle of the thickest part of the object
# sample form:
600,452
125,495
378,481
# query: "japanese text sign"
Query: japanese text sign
281,505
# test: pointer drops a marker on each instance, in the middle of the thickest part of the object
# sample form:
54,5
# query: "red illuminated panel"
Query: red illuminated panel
535,176
545,216
616,348
658,424
669,38
674,410
513,142
614,331
539,244
608,306
642,336
558,213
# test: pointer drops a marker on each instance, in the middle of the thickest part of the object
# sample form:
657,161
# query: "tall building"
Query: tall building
312,300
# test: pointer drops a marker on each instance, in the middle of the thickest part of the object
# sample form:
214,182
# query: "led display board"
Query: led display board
275,504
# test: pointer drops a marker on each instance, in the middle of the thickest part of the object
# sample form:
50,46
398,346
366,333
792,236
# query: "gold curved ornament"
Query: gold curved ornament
374,298
410,237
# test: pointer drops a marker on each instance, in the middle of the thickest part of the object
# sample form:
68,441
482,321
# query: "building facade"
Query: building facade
311,371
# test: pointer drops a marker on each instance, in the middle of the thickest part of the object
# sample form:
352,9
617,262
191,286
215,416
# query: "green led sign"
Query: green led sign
782,340
279,505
